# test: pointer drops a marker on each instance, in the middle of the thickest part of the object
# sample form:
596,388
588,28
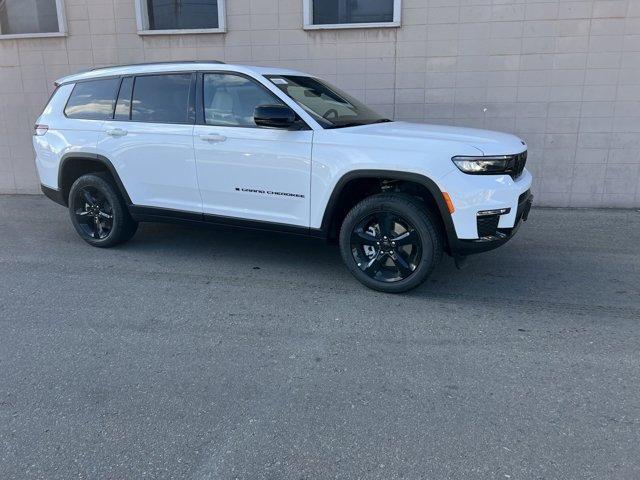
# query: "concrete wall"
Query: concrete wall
565,75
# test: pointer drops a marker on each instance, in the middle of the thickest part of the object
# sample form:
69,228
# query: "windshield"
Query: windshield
330,107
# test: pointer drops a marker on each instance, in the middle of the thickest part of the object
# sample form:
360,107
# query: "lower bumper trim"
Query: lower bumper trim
54,194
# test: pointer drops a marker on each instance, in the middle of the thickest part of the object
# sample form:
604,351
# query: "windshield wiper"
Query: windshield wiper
359,124
345,125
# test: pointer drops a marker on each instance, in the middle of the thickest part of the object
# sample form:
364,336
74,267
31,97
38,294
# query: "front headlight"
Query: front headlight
483,165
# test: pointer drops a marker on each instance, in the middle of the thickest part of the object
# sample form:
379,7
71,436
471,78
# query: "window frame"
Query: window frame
62,27
142,22
307,13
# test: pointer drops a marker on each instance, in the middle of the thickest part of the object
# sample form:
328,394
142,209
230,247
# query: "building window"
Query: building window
180,16
325,14
31,18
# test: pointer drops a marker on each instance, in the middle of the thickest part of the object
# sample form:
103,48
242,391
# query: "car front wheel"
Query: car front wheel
390,242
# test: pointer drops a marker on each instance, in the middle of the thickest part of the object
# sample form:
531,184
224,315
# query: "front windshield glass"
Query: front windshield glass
329,106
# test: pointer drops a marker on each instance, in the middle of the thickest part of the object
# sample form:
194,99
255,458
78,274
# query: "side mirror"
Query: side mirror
274,116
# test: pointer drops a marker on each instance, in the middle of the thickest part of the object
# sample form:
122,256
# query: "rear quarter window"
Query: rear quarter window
93,100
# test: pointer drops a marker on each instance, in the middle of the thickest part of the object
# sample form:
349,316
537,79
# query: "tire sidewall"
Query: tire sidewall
406,208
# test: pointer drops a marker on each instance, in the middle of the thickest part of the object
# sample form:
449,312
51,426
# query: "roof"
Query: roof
160,67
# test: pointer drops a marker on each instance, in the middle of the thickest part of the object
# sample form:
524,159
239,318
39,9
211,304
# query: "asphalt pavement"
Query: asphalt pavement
226,354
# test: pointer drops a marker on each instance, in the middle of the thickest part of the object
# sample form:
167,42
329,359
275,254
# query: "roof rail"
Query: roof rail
156,63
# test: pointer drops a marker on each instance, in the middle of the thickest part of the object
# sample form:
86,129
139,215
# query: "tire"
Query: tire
390,242
98,211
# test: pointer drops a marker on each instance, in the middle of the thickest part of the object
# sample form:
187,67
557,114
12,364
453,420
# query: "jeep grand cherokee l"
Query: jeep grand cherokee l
274,149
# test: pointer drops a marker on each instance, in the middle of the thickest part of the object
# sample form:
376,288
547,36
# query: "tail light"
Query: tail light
39,129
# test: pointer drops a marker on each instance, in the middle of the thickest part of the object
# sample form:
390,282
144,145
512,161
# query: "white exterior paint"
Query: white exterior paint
249,159
155,162
426,150
212,169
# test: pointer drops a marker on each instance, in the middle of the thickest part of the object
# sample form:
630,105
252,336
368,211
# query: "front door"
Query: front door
245,171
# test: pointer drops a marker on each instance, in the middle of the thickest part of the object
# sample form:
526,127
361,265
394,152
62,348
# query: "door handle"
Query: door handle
213,137
116,132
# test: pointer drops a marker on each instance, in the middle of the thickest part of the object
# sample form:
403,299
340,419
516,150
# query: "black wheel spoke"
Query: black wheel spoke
82,215
406,238
97,231
373,266
402,265
386,222
363,238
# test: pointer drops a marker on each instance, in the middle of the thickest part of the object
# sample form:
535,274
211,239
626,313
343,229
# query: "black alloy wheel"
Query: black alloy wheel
98,211
391,242
386,246
94,212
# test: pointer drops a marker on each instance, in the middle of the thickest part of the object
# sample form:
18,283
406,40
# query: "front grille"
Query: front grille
488,225
517,164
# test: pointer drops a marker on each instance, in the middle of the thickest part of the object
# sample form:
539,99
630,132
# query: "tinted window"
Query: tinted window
93,100
161,99
350,11
231,99
20,16
123,106
182,14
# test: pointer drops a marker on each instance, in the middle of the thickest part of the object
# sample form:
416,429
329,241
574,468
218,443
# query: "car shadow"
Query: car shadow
492,276
524,274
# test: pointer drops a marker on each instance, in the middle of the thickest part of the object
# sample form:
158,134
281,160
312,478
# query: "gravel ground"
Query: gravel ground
221,354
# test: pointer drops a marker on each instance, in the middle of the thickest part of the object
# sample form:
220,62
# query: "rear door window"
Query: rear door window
162,99
93,100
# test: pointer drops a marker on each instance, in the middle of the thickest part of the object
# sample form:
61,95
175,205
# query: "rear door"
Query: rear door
245,171
149,140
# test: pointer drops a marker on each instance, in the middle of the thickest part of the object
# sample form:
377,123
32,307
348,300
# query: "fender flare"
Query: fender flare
422,180
94,157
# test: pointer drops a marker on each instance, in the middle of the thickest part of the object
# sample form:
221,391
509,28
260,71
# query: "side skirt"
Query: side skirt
165,215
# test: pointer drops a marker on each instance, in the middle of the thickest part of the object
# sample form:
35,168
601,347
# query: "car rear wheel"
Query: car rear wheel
390,242
98,212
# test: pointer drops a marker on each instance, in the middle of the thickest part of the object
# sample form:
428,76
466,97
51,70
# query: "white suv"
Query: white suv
273,149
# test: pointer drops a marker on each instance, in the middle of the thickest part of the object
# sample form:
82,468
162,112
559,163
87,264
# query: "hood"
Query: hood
486,141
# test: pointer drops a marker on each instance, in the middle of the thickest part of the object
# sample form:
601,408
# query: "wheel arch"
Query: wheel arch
340,197
75,164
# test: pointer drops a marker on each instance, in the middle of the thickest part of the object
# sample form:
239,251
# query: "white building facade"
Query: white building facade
562,74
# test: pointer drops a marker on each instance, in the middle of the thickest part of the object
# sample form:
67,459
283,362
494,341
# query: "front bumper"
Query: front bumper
488,210
461,247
